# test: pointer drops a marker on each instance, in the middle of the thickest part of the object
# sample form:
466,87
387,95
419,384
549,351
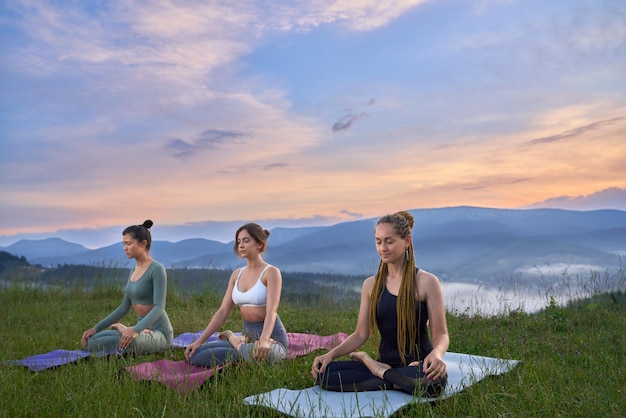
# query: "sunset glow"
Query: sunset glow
116,112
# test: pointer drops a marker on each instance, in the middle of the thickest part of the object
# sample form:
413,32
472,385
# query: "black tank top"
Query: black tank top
387,322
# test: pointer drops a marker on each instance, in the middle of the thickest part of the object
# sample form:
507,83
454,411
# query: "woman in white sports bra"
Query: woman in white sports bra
256,289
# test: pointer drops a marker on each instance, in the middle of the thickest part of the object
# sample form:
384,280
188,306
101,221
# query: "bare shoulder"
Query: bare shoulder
231,283
427,281
423,275
368,285
234,275
369,282
273,270
272,274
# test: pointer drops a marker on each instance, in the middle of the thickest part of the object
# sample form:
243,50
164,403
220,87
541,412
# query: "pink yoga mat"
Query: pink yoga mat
178,375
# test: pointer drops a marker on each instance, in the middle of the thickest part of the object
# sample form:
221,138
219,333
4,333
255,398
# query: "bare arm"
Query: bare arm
434,366
274,284
354,340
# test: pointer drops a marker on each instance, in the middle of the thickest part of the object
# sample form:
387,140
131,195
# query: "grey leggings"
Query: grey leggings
160,339
219,353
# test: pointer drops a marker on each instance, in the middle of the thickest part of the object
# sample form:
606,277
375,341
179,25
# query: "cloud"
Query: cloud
491,182
241,169
346,121
575,132
275,166
208,139
610,198
362,15
180,148
356,215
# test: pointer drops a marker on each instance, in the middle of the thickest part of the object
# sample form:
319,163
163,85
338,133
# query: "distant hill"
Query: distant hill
12,266
50,247
468,244
8,260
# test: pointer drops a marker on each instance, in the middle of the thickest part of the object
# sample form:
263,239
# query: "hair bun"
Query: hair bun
267,233
147,224
409,218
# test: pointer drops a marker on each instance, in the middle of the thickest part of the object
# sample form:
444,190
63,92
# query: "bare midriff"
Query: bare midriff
142,310
252,313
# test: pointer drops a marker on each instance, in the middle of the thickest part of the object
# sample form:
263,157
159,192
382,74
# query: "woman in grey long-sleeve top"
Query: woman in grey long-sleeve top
145,293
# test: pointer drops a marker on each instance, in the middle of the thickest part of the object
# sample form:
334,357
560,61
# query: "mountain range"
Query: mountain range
463,244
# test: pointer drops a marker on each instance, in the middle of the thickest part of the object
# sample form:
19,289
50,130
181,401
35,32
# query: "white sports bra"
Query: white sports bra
255,296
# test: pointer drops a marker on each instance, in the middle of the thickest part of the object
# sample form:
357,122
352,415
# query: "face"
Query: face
389,245
246,245
132,247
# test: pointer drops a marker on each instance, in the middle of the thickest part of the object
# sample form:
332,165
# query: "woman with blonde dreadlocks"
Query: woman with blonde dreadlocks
402,302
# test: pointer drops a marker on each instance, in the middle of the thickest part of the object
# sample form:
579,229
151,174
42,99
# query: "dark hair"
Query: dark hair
257,233
407,326
141,232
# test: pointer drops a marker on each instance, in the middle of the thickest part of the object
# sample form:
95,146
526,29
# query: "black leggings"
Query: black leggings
353,376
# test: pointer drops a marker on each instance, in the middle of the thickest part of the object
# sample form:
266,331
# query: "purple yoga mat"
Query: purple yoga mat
54,358
186,338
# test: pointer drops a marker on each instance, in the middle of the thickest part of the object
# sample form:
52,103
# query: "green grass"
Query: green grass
572,359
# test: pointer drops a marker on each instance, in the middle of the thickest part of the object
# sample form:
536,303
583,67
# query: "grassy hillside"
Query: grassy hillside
572,359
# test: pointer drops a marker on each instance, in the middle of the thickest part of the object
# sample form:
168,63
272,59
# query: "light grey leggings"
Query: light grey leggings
160,339
219,353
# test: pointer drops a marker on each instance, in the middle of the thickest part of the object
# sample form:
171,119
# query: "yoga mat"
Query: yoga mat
301,344
463,371
54,358
178,375
186,338
184,377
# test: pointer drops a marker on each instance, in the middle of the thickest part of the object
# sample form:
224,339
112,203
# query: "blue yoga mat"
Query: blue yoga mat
463,371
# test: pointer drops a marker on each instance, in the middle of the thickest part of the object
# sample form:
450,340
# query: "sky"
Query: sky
305,112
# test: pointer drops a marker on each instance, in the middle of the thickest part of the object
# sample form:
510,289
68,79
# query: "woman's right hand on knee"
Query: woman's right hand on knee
190,350
319,364
86,336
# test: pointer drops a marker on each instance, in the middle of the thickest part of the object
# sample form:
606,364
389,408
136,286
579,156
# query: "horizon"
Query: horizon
305,112
222,231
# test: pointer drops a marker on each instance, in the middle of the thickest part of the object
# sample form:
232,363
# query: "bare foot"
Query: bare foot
235,340
119,327
375,367
361,356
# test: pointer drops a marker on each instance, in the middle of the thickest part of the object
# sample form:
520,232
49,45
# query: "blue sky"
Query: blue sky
307,112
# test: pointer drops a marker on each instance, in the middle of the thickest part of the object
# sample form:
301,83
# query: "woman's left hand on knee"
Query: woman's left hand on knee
261,350
128,336
434,367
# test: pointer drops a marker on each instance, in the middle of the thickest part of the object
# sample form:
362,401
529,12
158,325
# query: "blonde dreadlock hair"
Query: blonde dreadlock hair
407,325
